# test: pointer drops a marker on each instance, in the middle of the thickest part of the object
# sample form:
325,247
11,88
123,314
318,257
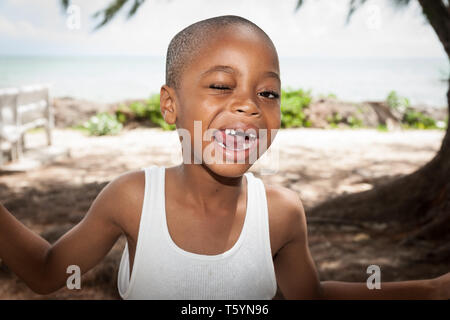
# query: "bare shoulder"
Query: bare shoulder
286,215
284,199
122,198
128,186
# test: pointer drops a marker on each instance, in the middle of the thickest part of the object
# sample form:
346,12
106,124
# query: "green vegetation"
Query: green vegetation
411,119
293,102
396,102
102,124
417,120
149,110
330,95
352,121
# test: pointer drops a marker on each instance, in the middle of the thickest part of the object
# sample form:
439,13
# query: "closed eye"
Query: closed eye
219,87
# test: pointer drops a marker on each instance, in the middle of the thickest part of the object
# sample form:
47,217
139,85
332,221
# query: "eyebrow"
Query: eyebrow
231,70
216,68
272,75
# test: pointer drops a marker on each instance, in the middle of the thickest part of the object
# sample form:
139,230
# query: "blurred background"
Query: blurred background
364,108
382,48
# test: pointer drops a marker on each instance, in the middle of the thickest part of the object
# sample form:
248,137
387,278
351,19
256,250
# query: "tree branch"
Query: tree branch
438,15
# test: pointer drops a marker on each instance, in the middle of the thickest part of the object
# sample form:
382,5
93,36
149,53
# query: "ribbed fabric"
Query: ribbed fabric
162,270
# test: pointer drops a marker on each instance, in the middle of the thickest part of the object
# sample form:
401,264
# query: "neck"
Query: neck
207,190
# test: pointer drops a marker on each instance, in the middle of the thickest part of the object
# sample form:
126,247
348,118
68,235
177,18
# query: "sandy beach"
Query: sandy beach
316,163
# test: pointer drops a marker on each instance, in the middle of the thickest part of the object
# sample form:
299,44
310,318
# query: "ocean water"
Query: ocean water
115,78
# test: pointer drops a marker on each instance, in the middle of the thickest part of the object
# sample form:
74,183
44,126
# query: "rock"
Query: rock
70,112
386,116
344,114
438,114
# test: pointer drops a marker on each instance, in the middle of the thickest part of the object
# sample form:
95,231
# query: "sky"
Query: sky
41,27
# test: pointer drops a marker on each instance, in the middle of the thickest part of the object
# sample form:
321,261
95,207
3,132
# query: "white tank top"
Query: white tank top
162,270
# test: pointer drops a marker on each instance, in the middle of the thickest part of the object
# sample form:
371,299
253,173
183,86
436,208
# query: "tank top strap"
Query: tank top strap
126,278
156,197
260,212
257,207
152,195
149,225
256,194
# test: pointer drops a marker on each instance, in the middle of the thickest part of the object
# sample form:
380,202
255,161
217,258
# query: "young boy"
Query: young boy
200,230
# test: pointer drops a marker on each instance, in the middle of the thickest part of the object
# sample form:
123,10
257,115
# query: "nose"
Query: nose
247,106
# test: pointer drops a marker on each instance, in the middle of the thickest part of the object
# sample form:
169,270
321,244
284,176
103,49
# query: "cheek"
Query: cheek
273,124
191,112
274,119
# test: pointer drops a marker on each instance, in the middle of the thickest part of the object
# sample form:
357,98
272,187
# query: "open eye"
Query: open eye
270,94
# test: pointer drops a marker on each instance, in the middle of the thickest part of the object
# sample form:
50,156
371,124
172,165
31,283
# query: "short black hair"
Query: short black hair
186,43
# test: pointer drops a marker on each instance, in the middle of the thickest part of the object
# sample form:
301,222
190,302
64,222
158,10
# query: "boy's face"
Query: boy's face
233,83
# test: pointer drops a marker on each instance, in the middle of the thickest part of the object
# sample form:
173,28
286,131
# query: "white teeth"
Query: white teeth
245,146
233,132
230,132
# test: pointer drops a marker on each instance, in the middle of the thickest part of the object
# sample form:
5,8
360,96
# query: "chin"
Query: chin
228,163
232,170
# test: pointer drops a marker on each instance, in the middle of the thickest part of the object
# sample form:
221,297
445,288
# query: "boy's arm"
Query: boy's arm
43,266
414,289
298,279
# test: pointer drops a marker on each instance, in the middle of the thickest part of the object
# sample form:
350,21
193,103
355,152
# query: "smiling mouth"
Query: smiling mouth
235,139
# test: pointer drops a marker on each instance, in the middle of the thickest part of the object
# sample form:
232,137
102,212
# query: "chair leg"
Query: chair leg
50,124
22,142
16,151
48,131
13,152
19,150
1,153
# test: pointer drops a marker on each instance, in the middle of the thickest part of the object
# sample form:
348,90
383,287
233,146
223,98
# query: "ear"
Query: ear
168,105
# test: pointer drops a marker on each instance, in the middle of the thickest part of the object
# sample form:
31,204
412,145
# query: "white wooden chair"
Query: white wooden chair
9,129
21,110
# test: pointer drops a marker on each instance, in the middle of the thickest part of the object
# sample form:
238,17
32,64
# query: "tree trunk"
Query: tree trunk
416,206
418,203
